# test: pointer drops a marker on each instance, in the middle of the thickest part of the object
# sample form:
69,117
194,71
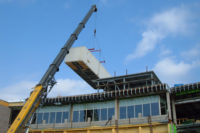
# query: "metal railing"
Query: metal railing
111,122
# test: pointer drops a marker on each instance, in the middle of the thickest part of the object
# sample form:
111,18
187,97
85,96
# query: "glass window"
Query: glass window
154,109
39,118
58,117
122,112
163,108
75,116
82,115
96,115
46,117
89,115
104,114
52,117
130,111
111,112
34,119
146,110
65,116
138,109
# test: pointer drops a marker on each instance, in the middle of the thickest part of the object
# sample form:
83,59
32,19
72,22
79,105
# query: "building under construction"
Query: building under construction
138,103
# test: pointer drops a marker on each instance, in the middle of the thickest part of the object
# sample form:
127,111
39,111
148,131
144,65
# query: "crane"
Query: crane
47,81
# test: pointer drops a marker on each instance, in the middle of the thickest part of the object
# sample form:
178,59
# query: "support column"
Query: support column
169,111
174,111
168,106
116,114
116,109
71,114
124,84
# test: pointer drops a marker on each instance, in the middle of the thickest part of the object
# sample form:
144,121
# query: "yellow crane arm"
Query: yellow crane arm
25,111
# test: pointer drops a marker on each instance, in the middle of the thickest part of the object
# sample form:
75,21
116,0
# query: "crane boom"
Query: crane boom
40,90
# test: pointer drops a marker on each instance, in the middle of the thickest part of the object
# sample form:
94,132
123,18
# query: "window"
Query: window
130,111
163,108
39,118
154,109
82,115
46,117
146,110
58,117
111,112
65,117
123,112
52,117
34,119
104,114
96,115
138,109
89,115
75,116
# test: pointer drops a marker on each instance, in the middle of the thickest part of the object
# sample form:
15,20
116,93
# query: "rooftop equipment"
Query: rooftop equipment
85,65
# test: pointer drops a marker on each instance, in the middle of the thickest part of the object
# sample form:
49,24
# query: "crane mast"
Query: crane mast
47,81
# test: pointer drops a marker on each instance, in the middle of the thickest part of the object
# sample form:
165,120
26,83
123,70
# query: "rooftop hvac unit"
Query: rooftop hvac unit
85,65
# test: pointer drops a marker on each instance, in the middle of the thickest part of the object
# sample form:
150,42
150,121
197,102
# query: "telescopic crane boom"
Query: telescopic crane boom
47,81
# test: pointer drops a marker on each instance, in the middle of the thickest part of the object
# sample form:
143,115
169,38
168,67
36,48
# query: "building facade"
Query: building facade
138,103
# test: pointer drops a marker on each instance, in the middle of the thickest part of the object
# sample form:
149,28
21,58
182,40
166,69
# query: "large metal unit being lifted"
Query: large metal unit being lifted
86,65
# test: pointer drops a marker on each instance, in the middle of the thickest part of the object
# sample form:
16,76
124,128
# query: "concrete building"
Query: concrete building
150,106
4,116
143,108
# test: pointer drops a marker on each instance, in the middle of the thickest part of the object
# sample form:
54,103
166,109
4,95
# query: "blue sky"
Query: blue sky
132,34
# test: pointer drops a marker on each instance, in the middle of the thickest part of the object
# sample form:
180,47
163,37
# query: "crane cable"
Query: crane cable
96,43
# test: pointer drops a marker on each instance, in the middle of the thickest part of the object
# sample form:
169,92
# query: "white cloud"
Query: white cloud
17,92
64,87
171,71
67,87
175,20
148,43
171,22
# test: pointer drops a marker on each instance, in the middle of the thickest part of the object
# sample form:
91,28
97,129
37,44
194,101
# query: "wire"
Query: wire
100,56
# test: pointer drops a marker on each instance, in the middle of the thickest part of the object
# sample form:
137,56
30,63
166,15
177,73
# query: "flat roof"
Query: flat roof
186,91
126,81
130,76
16,104
3,103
